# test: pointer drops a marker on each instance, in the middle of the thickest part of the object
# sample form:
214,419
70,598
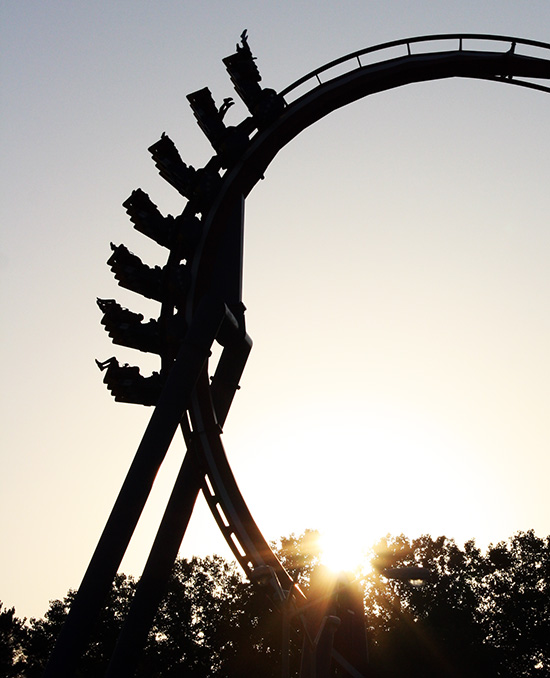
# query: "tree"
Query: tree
43,632
300,555
516,604
481,614
13,637
432,630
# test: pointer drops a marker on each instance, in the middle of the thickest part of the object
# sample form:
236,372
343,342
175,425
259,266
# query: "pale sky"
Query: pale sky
396,279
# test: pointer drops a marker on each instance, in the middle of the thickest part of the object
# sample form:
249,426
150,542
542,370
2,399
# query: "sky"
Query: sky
396,281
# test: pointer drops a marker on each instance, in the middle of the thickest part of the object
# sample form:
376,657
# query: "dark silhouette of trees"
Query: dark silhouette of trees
481,614
13,643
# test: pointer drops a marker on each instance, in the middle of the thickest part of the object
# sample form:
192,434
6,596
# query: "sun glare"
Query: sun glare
342,551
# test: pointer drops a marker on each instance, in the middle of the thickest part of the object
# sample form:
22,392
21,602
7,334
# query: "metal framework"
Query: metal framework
200,291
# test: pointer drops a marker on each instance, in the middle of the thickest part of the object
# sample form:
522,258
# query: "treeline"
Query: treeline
482,614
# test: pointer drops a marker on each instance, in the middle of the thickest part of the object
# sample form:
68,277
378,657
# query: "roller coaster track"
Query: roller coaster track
198,403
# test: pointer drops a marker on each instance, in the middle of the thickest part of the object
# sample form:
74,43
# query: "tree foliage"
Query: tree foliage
481,614
13,643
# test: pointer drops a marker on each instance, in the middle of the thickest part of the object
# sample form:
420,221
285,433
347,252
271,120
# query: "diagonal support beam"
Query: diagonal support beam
173,402
154,580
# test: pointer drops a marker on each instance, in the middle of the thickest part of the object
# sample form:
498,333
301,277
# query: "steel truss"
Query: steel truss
200,291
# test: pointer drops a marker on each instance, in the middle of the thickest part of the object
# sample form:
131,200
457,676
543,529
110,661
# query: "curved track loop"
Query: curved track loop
223,495
188,389
506,65
419,45
220,488
503,66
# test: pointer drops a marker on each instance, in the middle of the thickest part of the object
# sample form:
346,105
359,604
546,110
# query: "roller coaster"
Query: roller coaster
200,292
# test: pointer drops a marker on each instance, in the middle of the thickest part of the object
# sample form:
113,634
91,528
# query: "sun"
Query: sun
342,550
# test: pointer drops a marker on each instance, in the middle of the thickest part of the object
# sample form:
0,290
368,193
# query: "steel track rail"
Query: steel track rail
206,464
336,93
220,489
409,47
222,494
